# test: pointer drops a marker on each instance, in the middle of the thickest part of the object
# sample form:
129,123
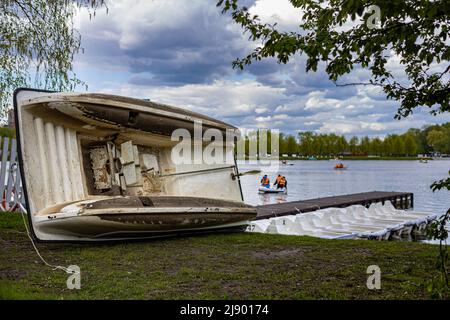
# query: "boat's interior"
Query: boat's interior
84,147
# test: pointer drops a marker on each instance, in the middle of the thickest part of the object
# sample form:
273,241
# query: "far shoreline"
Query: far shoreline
359,158
355,158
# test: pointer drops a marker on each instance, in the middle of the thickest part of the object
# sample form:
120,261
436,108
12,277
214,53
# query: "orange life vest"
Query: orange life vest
281,182
265,181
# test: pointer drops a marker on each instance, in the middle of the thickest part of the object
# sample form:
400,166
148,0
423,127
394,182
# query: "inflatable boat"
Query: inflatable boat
262,189
99,167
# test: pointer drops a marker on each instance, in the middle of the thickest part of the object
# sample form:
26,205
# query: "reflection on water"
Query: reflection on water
269,198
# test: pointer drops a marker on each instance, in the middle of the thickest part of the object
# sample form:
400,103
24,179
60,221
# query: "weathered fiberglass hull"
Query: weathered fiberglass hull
99,167
128,217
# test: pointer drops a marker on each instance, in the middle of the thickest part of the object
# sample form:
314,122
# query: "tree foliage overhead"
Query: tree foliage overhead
37,44
336,33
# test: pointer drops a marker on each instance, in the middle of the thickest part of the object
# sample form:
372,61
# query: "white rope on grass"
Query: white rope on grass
54,267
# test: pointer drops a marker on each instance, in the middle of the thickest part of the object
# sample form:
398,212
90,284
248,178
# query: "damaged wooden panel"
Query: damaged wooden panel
100,167
149,162
127,152
136,155
130,164
151,182
129,173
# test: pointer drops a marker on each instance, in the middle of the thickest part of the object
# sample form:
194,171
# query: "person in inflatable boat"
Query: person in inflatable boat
265,182
280,182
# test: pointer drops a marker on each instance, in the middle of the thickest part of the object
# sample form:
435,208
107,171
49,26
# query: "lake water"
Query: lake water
315,179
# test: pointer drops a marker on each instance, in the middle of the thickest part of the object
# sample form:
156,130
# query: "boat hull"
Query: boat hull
140,217
108,226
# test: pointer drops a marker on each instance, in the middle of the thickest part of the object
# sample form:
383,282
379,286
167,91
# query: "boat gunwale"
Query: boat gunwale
129,103
148,210
175,210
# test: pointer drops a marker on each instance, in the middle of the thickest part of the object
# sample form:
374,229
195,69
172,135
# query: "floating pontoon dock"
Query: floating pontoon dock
379,221
400,200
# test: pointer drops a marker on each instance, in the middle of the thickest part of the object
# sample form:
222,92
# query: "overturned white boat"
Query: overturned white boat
99,167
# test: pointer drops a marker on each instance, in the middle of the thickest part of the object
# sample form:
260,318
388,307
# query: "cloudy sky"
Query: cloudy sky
180,53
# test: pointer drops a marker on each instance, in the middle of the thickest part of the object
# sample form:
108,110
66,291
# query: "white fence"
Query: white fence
10,181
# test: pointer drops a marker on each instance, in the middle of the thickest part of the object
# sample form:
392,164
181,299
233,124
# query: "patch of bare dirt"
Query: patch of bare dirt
267,255
8,274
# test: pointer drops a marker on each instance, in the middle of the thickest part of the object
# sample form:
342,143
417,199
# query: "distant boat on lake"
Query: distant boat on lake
340,166
284,162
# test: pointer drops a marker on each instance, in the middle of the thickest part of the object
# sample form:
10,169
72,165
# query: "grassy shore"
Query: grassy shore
219,266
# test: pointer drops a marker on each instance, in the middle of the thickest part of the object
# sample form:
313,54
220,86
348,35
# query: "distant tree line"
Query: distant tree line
428,140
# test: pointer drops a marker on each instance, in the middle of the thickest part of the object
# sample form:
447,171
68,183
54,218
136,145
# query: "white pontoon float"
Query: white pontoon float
376,222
